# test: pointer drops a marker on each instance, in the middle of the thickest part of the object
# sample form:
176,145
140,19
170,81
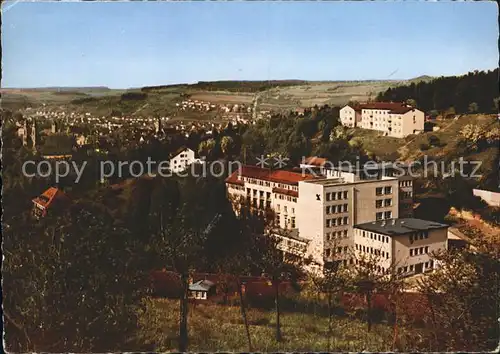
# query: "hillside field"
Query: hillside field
274,95
220,328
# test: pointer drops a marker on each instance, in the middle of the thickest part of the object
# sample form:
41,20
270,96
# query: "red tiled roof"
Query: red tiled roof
278,176
49,196
315,161
233,179
286,192
401,110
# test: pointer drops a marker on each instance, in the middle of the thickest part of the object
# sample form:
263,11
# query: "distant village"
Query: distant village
100,133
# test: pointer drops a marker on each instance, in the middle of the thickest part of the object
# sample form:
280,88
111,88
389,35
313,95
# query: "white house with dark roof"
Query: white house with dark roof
406,245
181,159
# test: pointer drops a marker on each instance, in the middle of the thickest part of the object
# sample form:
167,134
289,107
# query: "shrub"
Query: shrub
133,96
424,146
434,140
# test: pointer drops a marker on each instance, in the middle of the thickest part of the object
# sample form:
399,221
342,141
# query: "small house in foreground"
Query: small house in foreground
50,199
201,289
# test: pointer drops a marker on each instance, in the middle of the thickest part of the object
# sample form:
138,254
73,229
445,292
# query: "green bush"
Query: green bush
433,140
424,146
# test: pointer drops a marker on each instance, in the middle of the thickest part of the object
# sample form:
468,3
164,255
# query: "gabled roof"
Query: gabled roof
49,197
266,174
201,285
179,150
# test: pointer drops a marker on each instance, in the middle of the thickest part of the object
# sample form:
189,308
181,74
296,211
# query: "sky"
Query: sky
134,44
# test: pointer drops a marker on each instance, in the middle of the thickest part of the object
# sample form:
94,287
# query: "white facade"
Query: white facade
349,117
404,250
329,209
393,119
182,160
319,214
371,172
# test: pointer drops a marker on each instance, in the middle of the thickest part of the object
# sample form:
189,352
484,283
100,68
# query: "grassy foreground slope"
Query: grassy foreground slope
220,328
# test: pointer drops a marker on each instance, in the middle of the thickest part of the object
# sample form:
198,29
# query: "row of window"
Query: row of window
285,208
260,203
412,268
289,222
372,250
405,195
383,190
261,193
269,184
383,215
285,197
419,251
237,187
291,244
258,182
336,235
383,203
329,252
337,221
405,183
421,235
335,209
373,236
336,196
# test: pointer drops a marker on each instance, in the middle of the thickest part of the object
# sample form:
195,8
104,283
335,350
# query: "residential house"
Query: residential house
52,198
393,119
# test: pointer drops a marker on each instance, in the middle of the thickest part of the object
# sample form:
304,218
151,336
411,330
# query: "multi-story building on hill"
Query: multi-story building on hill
316,217
369,171
397,120
404,246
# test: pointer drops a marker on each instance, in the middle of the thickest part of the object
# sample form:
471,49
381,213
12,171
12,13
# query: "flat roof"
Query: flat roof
290,233
393,227
341,181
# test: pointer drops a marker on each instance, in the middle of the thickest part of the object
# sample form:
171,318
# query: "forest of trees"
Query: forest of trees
475,92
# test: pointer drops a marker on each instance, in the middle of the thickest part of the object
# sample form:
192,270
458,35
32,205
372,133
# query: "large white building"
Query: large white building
317,217
393,119
369,171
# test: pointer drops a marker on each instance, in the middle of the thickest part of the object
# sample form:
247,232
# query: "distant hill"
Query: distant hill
231,86
56,89
424,78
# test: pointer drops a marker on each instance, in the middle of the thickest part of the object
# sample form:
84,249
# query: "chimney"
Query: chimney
394,221
383,224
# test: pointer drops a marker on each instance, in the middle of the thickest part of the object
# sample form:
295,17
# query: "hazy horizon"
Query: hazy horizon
191,83
127,45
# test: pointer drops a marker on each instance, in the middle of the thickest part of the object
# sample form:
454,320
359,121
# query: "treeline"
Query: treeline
84,100
133,96
476,92
162,87
244,86
230,85
317,133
